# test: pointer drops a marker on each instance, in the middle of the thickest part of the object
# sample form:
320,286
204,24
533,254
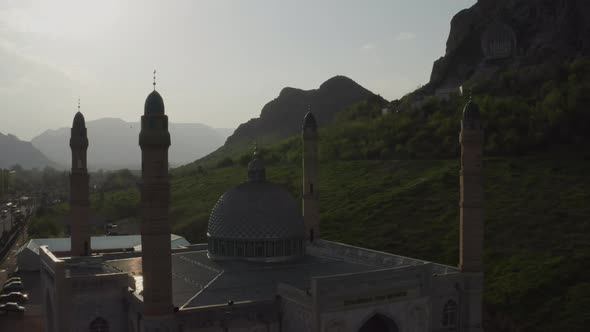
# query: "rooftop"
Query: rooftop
98,243
199,281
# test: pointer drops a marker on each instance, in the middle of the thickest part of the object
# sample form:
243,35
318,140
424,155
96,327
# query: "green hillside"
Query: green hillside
390,182
537,222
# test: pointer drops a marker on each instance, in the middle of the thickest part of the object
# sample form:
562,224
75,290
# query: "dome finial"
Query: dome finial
154,80
256,168
78,104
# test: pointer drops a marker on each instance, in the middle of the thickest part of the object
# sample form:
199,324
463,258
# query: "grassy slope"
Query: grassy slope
537,222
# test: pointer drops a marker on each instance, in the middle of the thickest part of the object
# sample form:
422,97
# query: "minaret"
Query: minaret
154,140
79,202
311,212
471,203
471,218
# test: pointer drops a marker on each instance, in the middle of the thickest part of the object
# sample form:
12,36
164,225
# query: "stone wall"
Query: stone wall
242,317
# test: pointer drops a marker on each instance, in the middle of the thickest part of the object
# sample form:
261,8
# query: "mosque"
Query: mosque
265,266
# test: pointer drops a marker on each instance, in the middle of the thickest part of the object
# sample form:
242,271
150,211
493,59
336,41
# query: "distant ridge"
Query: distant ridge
114,143
281,117
14,151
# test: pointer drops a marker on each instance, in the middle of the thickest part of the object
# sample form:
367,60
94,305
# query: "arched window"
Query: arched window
99,324
449,318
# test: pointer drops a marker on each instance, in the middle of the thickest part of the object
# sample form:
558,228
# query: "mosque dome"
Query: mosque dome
154,104
256,220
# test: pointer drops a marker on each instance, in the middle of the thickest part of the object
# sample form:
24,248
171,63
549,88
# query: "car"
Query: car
12,307
17,297
12,280
15,286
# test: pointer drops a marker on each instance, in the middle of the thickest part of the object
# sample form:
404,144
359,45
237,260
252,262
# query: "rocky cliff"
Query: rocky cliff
282,116
494,34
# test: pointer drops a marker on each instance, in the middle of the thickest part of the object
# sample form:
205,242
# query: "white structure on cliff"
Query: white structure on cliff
265,266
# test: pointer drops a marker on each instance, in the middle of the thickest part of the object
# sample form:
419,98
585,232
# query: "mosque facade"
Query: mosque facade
265,266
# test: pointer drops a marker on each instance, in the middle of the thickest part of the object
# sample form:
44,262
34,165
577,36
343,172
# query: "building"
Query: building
265,266
27,256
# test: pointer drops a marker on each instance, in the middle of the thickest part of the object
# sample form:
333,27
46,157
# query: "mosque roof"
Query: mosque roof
154,104
309,120
98,243
471,111
198,281
79,120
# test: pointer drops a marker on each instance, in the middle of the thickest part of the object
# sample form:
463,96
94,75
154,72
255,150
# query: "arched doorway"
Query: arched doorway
99,324
379,323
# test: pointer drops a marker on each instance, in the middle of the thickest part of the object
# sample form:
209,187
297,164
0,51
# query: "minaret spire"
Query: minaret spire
471,204
256,168
471,215
154,141
311,211
79,189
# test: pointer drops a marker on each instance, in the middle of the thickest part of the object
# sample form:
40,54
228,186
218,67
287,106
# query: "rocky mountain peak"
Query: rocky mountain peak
496,34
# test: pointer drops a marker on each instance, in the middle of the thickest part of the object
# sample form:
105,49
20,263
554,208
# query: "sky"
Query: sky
217,61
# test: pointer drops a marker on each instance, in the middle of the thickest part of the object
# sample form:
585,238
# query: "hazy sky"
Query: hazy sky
218,62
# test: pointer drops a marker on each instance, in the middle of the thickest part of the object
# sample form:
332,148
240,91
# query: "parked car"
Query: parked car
12,307
12,280
17,297
15,286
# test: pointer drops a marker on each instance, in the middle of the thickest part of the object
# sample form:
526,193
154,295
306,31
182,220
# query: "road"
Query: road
32,319
6,221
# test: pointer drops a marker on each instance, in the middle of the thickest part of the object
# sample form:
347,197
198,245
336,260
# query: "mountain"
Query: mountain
282,116
113,143
496,34
14,151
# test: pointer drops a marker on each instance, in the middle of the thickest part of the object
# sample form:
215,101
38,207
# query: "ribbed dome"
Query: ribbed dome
256,211
154,104
79,121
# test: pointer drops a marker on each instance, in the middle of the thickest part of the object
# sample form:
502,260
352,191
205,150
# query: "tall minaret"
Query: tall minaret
471,204
311,212
79,202
154,140
471,218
